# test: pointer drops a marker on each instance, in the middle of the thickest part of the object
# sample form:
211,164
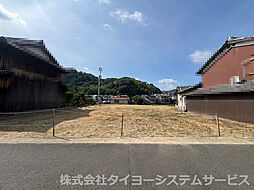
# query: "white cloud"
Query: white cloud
104,1
167,84
12,17
200,56
86,69
123,16
107,27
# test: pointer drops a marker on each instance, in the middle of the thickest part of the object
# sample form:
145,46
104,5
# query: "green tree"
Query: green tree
138,100
84,83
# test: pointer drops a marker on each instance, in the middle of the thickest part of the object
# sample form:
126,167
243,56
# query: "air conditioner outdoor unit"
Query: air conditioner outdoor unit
235,79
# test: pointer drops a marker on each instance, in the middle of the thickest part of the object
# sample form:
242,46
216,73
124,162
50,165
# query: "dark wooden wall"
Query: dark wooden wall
30,83
25,94
239,107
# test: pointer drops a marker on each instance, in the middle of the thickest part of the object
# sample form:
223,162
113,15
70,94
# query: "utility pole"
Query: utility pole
99,86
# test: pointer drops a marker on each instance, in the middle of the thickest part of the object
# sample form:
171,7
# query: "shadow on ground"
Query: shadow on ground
39,122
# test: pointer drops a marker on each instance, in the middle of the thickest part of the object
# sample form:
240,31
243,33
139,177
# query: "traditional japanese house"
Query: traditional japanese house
30,77
228,82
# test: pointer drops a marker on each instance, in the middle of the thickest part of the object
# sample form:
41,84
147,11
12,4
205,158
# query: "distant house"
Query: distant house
164,99
169,92
181,92
172,94
150,99
30,77
228,82
120,100
106,99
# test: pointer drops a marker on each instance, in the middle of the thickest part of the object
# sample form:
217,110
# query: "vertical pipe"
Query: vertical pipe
243,71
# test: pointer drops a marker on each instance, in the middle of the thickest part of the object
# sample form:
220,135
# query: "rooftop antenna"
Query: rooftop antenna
99,86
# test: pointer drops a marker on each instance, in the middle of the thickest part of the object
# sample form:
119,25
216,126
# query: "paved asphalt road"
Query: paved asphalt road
40,166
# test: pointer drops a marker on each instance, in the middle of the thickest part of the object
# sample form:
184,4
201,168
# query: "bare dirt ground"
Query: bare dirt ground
105,121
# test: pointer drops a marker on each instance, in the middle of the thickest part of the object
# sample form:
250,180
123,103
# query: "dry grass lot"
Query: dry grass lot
105,121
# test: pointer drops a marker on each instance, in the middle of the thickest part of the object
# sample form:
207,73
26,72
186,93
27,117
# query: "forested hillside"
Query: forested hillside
86,83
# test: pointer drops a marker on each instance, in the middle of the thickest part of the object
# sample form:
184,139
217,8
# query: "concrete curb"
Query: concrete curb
117,140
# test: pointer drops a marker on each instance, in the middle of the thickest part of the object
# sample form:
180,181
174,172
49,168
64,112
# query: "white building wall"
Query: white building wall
181,102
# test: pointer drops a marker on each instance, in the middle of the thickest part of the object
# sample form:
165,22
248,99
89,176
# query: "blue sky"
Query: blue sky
163,42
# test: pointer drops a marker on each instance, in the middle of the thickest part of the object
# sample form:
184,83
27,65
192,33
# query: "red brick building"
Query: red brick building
228,82
227,62
120,100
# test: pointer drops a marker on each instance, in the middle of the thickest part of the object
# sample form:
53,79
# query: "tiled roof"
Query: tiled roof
229,43
120,98
189,88
35,48
225,89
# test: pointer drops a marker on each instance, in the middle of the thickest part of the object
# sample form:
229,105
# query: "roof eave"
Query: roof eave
194,87
53,63
201,70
